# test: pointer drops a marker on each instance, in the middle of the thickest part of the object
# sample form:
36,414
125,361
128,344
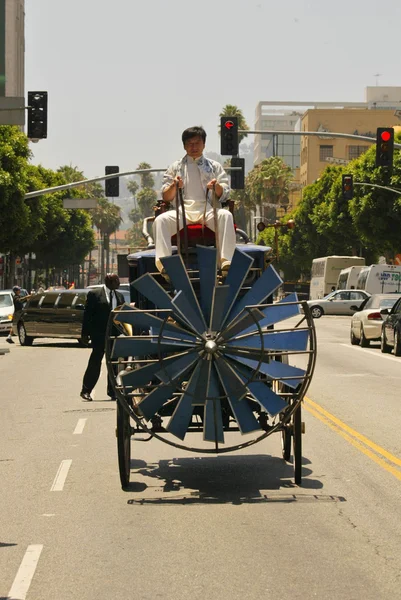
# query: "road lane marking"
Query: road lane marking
61,476
24,576
80,426
381,354
359,441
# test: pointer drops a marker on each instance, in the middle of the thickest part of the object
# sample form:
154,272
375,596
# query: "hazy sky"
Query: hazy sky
125,77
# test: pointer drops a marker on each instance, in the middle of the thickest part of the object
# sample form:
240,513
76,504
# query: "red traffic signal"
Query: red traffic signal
229,136
290,223
348,187
384,147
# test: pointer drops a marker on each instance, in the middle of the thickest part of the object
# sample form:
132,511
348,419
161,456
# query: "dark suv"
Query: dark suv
51,314
391,329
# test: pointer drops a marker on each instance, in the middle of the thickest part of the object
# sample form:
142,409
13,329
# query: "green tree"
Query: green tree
147,179
269,182
106,216
230,110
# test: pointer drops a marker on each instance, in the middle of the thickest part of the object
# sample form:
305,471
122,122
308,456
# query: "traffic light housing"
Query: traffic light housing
348,187
385,147
238,177
37,115
229,136
112,185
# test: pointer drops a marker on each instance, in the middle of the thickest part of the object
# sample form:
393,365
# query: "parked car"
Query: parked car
51,314
366,322
341,302
6,310
391,329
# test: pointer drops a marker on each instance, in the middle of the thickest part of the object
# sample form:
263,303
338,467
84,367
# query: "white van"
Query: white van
348,278
380,279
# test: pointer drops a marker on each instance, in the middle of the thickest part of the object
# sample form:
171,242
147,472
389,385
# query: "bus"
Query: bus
380,279
348,278
325,273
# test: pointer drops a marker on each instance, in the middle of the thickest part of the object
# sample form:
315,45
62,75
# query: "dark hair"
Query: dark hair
193,132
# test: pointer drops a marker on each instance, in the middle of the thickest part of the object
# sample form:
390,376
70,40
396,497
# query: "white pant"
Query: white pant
164,226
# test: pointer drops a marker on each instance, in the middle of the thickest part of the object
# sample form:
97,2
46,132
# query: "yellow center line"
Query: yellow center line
359,441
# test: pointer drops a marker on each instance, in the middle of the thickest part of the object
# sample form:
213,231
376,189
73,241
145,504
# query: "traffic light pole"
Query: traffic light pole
382,187
74,184
321,134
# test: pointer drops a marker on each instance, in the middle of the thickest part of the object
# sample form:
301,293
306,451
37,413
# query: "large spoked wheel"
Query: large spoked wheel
123,444
297,445
210,359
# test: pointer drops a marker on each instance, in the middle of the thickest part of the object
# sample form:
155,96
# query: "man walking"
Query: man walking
99,303
196,176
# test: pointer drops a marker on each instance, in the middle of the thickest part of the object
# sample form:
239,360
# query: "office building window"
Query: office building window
325,152
356,151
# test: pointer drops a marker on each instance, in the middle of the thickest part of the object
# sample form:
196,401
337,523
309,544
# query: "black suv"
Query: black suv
51,314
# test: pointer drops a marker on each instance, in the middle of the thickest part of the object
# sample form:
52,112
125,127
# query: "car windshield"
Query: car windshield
329,295
377,301
5,300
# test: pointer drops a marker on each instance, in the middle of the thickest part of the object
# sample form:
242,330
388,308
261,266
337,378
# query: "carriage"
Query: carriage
200,351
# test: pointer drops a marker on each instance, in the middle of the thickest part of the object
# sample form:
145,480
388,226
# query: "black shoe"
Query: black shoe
10,340
86,396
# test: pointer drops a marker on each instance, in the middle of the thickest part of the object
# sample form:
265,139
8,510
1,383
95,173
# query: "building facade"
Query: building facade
317,152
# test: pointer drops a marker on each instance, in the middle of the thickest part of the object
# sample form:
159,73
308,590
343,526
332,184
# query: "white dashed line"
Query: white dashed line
80,426
61,476
376,354
23,578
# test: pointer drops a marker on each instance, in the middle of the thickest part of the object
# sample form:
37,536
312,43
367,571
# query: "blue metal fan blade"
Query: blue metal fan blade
152,403
175,269
207,261
153,291
141,346
239,268
213,425
271,401
202,382
187,312
278,312
232,384
179,335
140,377
274,369
247,319
146,320
296,339
179,422
263,394
218,311
261,289
175,369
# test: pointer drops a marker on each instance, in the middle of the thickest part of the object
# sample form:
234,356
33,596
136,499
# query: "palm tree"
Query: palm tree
269,182
230,110
107,218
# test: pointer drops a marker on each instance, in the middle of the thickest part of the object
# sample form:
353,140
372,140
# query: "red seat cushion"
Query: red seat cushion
195,235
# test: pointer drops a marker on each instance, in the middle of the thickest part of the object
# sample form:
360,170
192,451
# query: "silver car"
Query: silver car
341,302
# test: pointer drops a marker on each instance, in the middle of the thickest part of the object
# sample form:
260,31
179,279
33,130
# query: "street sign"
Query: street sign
79,202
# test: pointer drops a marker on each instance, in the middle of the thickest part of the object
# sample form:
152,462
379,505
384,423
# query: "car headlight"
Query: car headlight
10,317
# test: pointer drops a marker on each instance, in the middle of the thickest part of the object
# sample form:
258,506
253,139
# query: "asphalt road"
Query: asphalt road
198,526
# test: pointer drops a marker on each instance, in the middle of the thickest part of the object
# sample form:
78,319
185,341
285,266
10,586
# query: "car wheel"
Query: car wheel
364,342
316,312
397,343
384,347
24,339
354,339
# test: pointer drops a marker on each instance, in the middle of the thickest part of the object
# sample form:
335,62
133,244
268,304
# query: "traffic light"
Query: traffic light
385,147
238,177
229,136
348,187
37,115
112,186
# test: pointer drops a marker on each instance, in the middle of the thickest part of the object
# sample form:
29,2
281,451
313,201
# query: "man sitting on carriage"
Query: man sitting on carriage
197,176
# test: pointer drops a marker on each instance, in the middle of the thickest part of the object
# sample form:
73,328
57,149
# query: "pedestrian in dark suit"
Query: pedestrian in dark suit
99,303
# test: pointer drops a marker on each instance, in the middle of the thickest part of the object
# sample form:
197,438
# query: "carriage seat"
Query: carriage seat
195,236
